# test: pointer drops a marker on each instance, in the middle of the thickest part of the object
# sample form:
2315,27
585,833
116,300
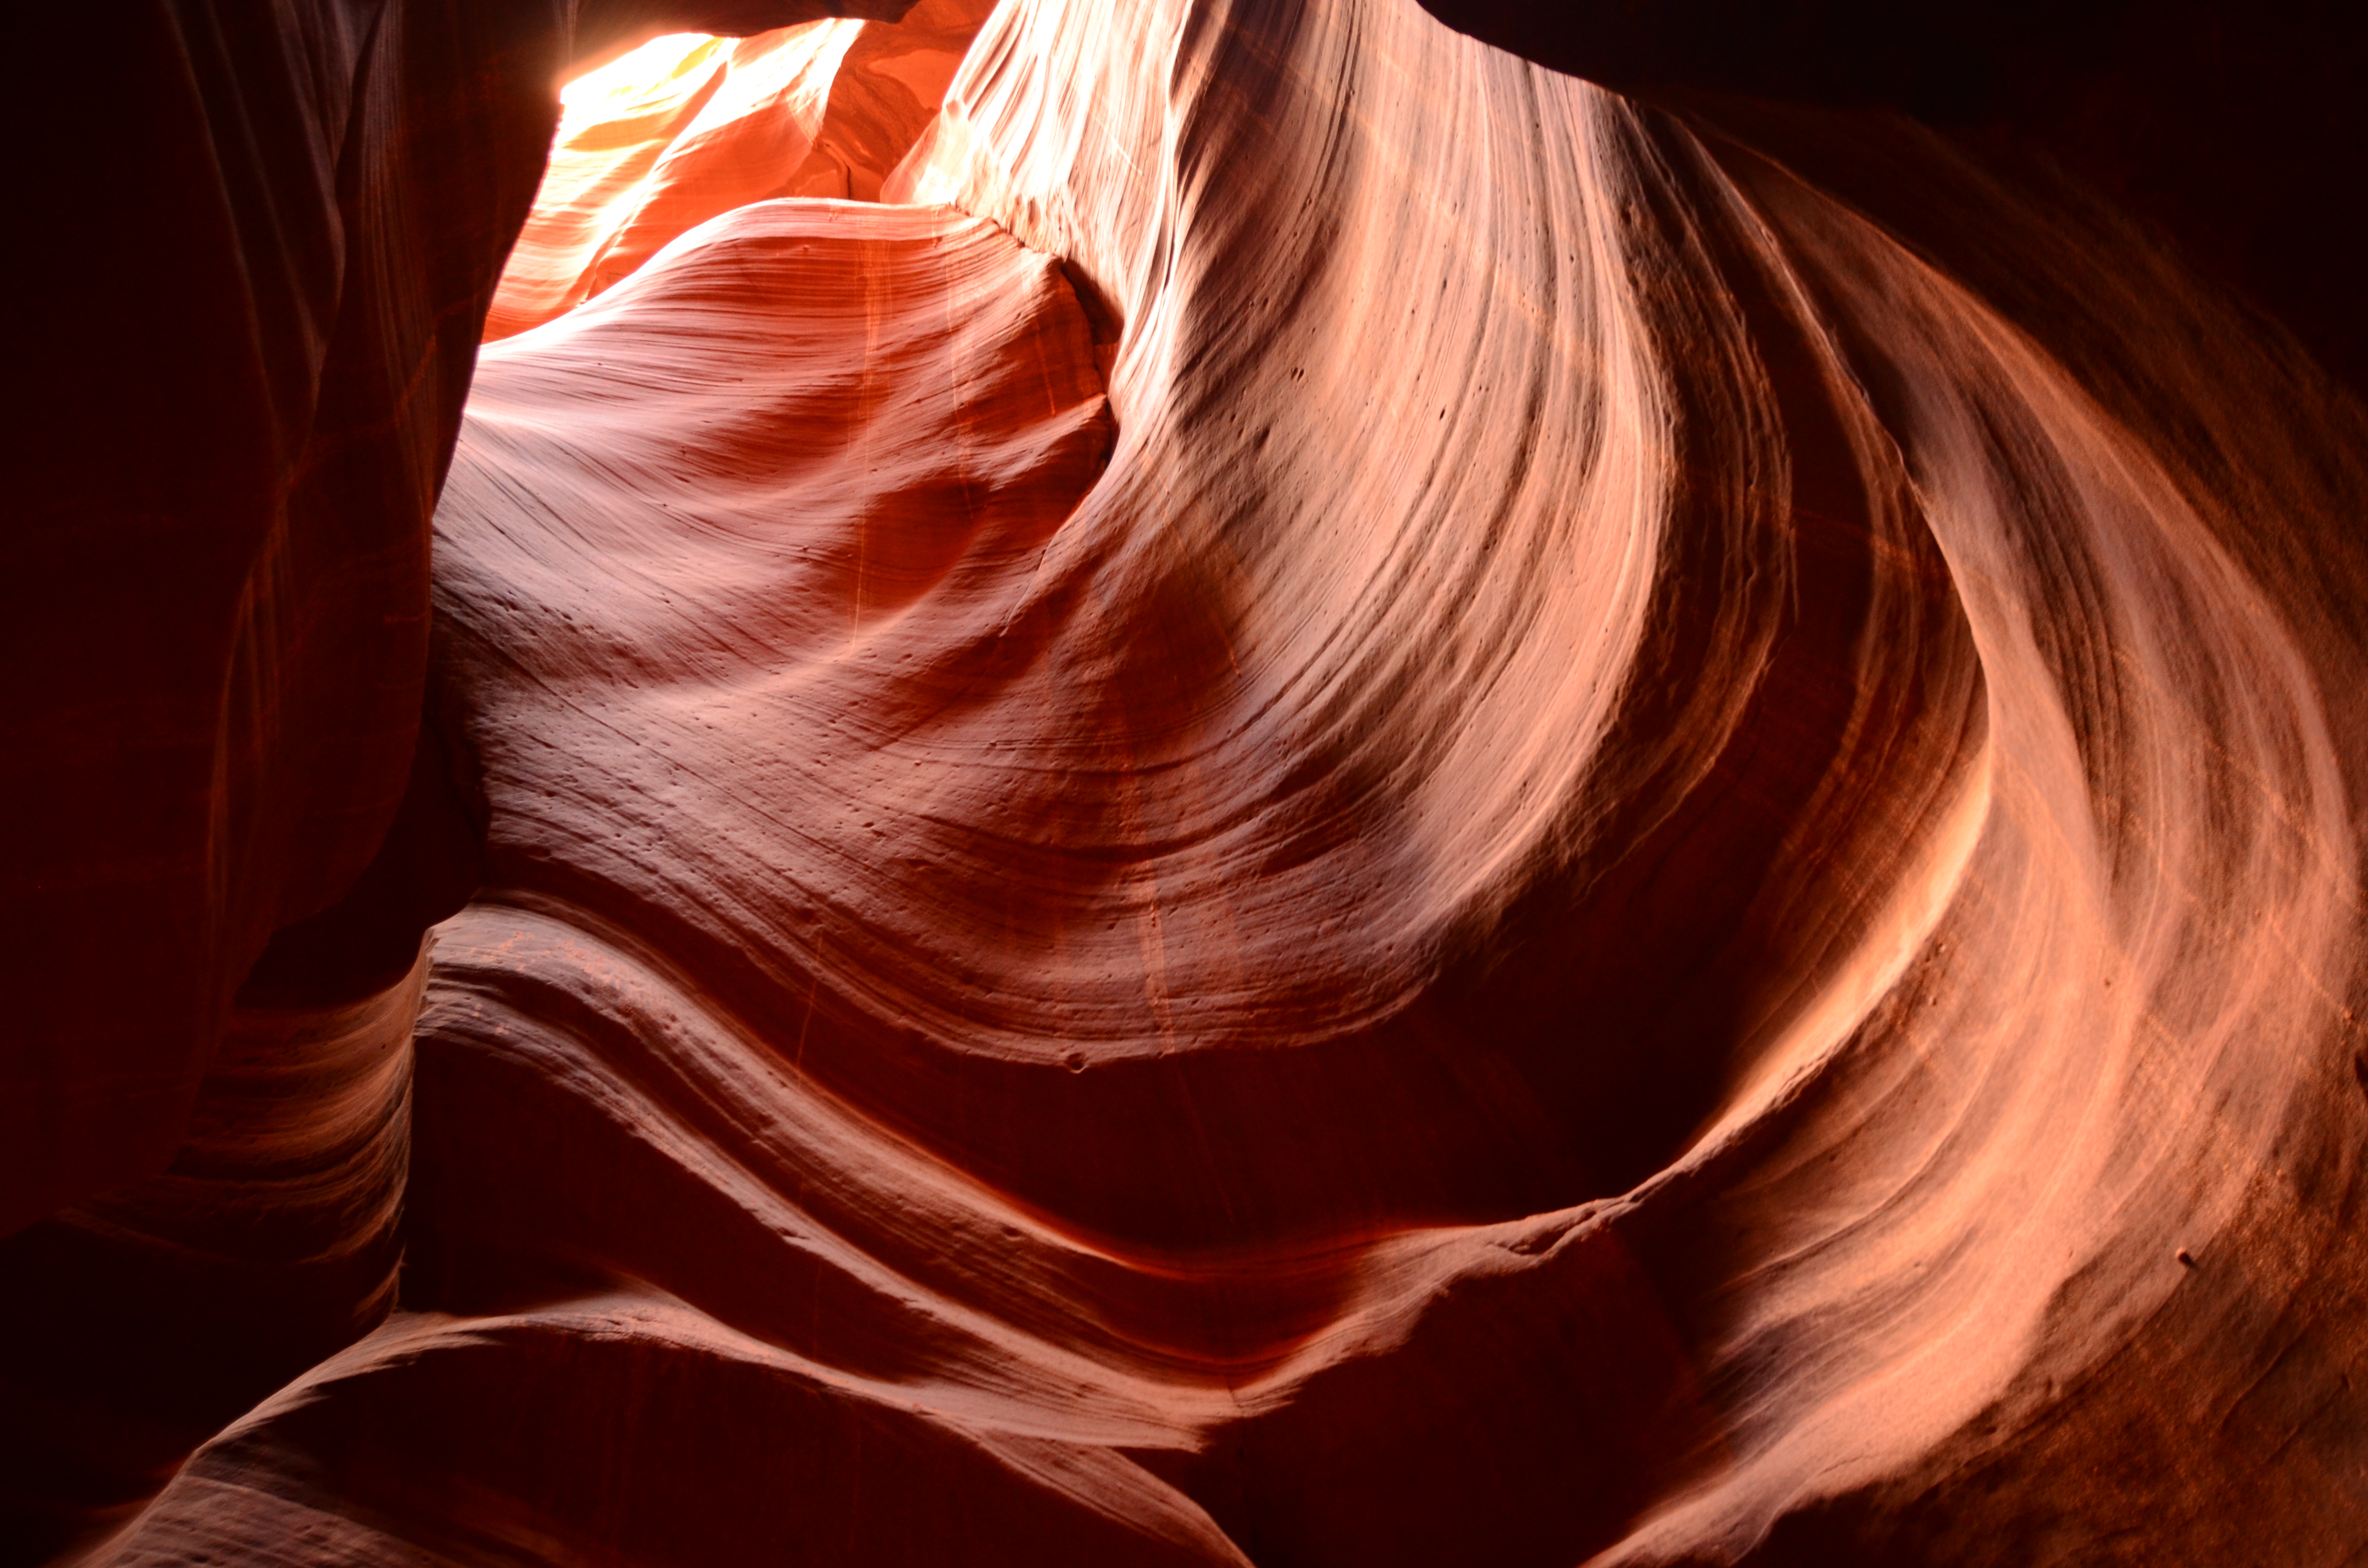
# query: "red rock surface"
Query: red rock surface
143,1322
251,291
1363,807
2221,122
243,378
689,126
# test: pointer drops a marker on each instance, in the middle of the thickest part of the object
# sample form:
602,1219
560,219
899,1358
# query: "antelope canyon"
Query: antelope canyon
1182,781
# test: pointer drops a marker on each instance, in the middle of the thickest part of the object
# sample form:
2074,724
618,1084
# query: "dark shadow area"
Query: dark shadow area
2239,129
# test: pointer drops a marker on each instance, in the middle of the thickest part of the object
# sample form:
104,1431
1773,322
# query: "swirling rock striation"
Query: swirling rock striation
689,126
251,283
1358,806
246,361
2227,124
144,1321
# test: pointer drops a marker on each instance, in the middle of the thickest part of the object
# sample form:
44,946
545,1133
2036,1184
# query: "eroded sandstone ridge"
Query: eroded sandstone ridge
689,126
1343,803
252,249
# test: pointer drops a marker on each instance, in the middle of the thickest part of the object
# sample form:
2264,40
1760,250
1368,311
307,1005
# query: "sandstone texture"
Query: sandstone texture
243,368
1339,802
689,125
251,288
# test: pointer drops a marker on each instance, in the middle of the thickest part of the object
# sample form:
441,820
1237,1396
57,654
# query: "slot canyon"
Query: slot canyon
1274,783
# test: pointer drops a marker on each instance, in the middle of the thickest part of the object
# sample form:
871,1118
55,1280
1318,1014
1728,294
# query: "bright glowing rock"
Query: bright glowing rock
689,126
1356,806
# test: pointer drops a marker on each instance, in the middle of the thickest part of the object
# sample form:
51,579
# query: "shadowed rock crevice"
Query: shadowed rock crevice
1348,804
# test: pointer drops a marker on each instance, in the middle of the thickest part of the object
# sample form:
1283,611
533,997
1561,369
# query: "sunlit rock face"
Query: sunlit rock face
253,250
689,126
2219,122
242,376
153,1316
1348,805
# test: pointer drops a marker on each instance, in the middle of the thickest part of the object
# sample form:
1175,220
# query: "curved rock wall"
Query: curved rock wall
254,251
1355,806
689,126
245,355
142,1323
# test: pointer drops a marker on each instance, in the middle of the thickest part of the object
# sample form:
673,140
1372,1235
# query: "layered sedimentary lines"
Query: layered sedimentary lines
689,126
1357,807
271,1241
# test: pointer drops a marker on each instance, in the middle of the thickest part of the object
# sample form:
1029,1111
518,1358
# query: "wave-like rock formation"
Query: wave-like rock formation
254,249
162,1308
689,126
1352,805
244,362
